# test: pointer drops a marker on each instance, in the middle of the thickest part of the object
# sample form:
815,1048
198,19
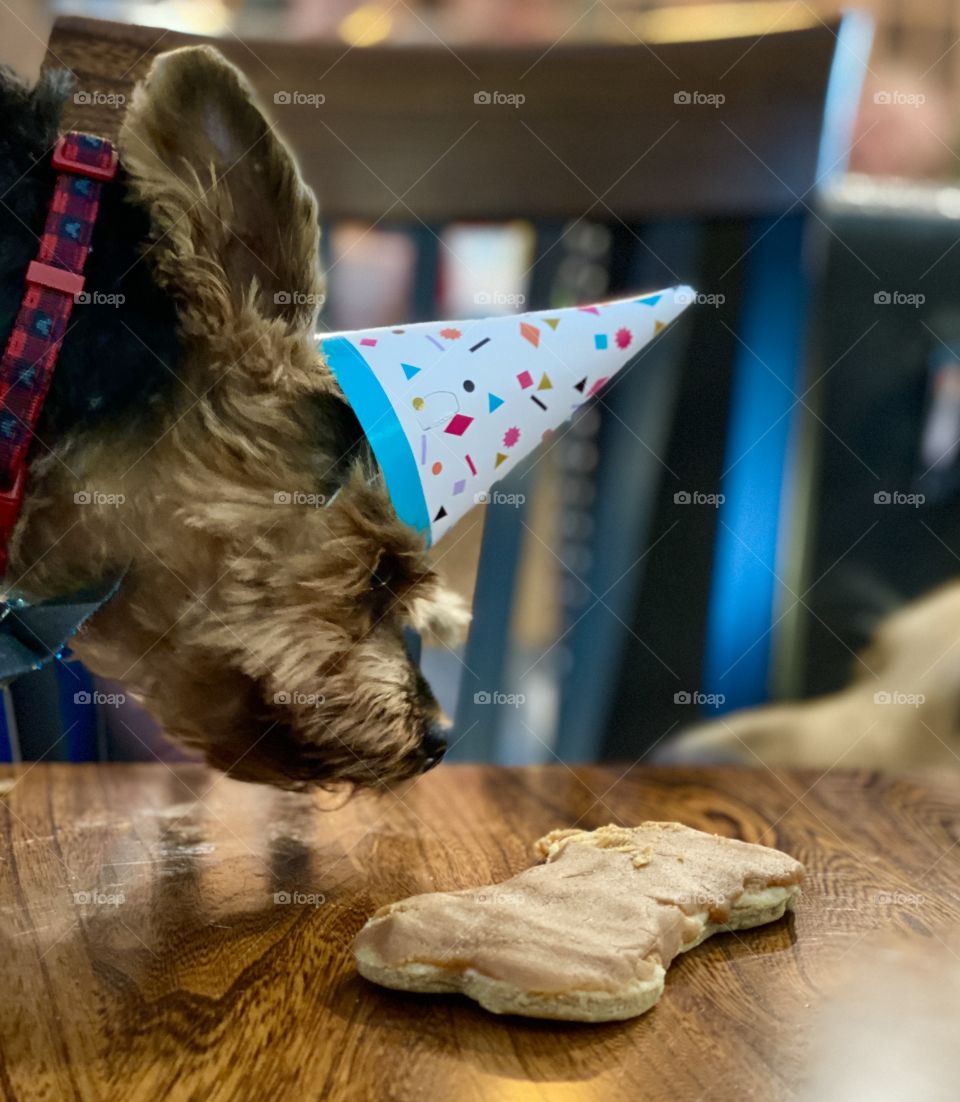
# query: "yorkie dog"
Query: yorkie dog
189,388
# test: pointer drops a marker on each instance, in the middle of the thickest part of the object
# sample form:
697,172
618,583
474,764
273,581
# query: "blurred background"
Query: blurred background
727,527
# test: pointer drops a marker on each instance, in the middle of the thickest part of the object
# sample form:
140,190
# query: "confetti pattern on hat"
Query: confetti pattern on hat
450,407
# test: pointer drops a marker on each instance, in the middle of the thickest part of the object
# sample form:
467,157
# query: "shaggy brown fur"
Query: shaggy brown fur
268,635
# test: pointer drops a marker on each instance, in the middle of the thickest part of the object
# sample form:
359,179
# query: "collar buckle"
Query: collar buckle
63,161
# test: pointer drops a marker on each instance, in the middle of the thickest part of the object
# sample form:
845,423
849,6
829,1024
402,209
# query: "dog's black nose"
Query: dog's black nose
433,745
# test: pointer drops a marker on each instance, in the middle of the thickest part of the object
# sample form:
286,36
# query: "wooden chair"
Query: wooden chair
621,135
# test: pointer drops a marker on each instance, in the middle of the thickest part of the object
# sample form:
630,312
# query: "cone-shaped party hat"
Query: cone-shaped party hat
450,407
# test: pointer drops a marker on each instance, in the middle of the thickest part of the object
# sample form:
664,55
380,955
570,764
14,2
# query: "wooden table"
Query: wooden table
147,951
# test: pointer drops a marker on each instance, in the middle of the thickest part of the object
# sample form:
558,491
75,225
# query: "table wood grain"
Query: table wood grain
169,934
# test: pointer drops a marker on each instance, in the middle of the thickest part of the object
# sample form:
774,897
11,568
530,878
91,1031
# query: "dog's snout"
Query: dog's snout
433,745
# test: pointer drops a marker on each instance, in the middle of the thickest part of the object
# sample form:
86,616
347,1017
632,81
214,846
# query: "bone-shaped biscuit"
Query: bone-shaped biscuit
588,934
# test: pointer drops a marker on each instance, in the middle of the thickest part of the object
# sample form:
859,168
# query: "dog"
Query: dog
188,409
901,709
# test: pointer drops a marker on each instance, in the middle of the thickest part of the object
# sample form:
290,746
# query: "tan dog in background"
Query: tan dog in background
901,710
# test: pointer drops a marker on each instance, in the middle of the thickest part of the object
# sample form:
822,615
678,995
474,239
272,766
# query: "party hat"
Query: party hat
450,407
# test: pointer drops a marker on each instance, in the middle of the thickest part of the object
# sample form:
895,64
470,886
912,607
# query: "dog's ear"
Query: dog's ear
234,227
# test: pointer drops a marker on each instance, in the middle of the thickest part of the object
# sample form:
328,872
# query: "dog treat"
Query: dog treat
588,934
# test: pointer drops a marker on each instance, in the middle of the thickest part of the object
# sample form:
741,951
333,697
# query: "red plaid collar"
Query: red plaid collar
54,281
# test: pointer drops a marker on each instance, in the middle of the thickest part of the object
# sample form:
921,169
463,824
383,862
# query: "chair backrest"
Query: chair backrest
406,133
668,144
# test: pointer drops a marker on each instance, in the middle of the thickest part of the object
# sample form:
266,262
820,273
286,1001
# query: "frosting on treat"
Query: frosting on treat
606,909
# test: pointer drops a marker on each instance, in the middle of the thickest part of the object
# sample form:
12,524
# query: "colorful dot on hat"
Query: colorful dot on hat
469,385
369,342
450,334
624,337
511,436
418,403
459,486
600,341
525,379
437,467
494,402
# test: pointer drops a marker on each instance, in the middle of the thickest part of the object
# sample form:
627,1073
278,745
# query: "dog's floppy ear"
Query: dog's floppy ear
234,227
